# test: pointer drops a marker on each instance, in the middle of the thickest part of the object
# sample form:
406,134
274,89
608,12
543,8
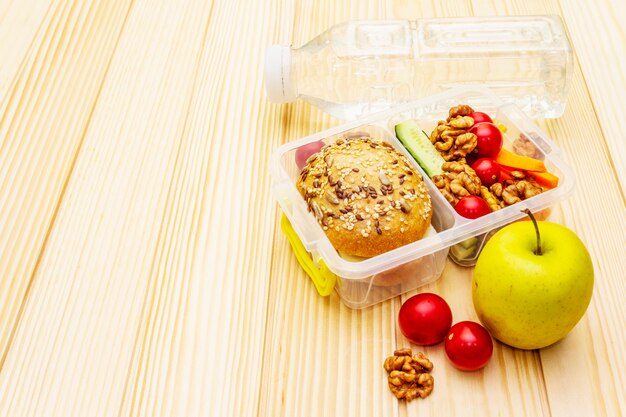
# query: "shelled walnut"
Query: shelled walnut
490,198
409,375
460,110
513,191
452,138
457,181
523,146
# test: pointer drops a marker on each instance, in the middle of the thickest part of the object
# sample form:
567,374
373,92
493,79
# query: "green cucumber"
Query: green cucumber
469,243
419,146
461,253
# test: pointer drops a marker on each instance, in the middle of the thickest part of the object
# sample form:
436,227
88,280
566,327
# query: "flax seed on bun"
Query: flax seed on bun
366,196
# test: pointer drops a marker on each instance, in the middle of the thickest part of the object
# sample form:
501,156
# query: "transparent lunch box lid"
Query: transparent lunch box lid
427,112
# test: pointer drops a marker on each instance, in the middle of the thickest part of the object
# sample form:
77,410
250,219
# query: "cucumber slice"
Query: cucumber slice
461,253
469,243
419,146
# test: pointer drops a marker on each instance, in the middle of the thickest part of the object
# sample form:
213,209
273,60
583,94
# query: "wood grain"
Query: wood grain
46,109
601,57
143,268
107,229
17,39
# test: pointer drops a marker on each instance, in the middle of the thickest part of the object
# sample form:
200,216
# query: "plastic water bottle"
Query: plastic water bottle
360,67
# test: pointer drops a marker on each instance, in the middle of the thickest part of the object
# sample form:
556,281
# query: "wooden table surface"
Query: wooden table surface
142,267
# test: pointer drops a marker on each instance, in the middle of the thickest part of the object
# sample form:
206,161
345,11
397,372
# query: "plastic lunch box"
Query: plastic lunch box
363,283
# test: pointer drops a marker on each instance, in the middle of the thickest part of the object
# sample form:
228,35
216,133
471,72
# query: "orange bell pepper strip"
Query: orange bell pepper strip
505,176
545,178
524,163
505,173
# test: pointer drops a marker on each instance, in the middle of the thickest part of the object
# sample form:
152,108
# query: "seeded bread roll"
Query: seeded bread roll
366,196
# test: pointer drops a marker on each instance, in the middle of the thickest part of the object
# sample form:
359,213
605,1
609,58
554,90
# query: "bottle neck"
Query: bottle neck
279,74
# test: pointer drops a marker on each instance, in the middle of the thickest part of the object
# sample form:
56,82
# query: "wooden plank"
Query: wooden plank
597,31
169,278
200,353
44,116
74,347
595,343
21,24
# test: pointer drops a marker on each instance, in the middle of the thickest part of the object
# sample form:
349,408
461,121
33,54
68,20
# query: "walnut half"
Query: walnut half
451,137
515,190
523,146
409,375
457,181
460,110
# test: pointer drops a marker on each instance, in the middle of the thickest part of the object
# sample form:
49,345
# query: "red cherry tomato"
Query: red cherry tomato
487,170
480,117
471,158
425,319
472,207
489,139
468,346
305,151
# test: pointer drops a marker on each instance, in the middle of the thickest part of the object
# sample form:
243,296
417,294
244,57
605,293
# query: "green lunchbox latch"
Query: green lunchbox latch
323,278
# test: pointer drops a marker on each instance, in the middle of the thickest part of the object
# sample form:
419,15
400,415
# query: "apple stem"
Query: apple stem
538,251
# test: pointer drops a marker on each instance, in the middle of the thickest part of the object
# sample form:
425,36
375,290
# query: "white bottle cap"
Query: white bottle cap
279,86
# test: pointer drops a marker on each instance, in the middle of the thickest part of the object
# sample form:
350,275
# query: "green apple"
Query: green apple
532,283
